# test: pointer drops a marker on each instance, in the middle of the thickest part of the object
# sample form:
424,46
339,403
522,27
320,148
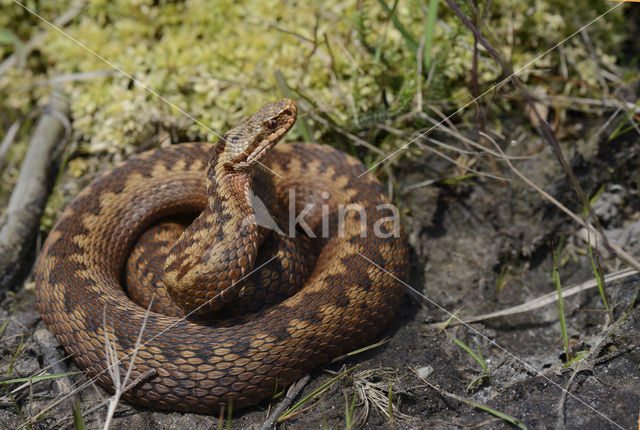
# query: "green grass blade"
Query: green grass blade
563,323
455,316
316,392
410,41
3,329
377,55
363,349
18,410
78,421
619,131
15,355
503,278
349,408
8,37
476,381
429,27
633,302
37,378
406,35
508,418
459,180
475,356
598,274
277,394
575,359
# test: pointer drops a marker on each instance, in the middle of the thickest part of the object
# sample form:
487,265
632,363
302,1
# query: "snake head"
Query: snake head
245,144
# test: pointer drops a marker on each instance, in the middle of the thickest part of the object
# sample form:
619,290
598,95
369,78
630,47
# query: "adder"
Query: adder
320,277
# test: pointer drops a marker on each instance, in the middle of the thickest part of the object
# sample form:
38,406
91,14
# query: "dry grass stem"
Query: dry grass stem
620,253
120,386
539,302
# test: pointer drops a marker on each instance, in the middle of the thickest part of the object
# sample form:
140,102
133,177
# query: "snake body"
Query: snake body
225,256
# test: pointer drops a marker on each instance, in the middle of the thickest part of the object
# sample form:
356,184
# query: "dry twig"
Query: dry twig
19,224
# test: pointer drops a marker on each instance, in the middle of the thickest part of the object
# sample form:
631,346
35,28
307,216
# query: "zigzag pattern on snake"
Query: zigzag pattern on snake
339,303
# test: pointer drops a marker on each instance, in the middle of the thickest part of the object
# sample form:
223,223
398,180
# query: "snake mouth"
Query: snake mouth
263,147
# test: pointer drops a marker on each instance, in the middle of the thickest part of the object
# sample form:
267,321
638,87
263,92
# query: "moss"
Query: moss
216,61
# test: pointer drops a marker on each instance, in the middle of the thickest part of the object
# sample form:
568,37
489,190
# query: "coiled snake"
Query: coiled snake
232,258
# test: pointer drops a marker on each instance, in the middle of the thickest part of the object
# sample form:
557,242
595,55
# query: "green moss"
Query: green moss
216,60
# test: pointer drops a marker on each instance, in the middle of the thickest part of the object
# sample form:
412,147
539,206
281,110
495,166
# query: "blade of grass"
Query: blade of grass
563,324
377,55
18,410
618,131
459,180
478,357
516,422
8,37
291,395
363,349
429,26
592,200
390,402
455,316
349,411
325,422
277,394
3,329
37,378
508,418
302,411
616,250
598,275
409,39
575,359
221,418
475,381
406,35
633,302
544,300
502,279
120,387
15,355
316,392
78,421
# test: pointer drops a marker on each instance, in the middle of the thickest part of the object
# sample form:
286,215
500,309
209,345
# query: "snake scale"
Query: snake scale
226,256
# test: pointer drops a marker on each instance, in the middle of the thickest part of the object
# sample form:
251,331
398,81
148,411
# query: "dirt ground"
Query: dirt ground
478,245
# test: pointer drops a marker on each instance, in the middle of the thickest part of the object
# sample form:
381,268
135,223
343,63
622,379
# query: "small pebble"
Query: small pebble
424,372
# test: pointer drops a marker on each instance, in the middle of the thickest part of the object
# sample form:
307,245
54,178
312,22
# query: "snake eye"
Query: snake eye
272,123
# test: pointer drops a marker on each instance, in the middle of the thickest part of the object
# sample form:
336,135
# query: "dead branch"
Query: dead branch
19,225
294,390
54,360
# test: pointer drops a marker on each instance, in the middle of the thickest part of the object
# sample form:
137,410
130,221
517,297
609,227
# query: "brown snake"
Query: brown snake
343,301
